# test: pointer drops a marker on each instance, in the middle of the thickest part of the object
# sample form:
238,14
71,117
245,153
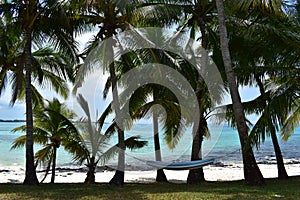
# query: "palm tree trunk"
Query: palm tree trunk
160,174
30,173
90,176
118,178
196,176
53,164
252,173
282,174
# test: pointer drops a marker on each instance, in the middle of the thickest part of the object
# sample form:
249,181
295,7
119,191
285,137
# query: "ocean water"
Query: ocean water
223,145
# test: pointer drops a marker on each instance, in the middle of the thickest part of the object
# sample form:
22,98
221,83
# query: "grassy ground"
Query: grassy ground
274,189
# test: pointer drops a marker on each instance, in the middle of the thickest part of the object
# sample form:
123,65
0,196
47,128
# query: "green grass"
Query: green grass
274,189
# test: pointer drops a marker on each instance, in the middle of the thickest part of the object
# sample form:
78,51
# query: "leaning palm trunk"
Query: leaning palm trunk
118,178
30,172
160,174
282,174
252,173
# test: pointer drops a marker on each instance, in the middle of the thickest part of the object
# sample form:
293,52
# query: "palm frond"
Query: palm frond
78,148
104,115
134,142
19,142
3,80
45,154
276,7
291,123
108,154
59,85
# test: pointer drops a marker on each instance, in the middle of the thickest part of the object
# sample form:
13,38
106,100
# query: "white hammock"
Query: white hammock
180,165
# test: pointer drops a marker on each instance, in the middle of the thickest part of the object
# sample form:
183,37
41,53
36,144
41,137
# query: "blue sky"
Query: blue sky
7,112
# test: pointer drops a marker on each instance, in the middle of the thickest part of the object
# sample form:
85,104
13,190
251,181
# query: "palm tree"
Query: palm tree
111,17
263,45
268,122
160,174
139,104
252,173
197,17
285,90
266,125
139,107
89,147
281,109
138,101
30,18
160,95
52,129
94,146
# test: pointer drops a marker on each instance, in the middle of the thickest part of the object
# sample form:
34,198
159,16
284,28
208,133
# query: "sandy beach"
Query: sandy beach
212,173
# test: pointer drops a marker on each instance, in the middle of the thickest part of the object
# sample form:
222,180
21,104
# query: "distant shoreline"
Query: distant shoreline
12,120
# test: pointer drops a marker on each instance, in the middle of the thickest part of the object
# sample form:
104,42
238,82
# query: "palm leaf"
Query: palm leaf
45,154
104,115
19,142
291,123
134,143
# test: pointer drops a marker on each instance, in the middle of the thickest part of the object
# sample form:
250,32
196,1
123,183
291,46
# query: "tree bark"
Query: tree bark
30,172
160,174
90,176
118,178
252,173
53,164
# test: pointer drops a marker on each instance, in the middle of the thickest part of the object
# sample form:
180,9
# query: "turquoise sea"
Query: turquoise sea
222,145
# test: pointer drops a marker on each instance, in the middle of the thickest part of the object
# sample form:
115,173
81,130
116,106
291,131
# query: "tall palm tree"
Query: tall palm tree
111,17
139,99
30,19
171,123
160,95
262,45
266,125
138,102
267,122
195,17
52,129
252,173
281,111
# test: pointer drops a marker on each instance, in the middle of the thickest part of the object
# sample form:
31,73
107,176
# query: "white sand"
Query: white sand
212,173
